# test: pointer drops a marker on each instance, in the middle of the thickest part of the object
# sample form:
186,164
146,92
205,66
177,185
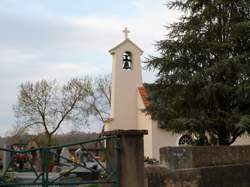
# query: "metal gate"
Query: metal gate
71,165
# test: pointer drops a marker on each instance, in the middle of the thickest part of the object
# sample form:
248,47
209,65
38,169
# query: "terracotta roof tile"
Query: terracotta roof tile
144,95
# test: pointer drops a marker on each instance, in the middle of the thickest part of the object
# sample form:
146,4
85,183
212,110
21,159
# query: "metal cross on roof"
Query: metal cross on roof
126,32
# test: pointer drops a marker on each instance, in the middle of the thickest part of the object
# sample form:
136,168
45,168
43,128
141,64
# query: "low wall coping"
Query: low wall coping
130,132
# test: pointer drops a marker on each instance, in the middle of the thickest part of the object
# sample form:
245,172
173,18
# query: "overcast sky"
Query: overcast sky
61,39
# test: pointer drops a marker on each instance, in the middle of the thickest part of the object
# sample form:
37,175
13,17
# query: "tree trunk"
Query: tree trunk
224,138
49,136
202,139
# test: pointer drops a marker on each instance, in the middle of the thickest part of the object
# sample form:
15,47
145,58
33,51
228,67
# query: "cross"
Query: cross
126,32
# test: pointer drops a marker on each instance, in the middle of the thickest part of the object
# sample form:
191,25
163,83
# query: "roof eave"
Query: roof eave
112,51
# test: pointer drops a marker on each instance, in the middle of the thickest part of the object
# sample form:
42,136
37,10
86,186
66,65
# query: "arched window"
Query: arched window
185,139
127,61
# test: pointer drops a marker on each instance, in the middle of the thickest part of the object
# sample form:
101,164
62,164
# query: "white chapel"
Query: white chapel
129,98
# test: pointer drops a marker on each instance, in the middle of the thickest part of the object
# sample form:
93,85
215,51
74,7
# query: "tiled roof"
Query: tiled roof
144,95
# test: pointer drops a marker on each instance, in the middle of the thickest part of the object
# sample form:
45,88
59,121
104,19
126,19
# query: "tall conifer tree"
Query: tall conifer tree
203,84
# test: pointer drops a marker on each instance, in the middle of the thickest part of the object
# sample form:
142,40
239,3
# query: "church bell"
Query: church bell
126,65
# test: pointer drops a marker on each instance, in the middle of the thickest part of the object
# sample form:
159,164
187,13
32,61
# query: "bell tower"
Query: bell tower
126,77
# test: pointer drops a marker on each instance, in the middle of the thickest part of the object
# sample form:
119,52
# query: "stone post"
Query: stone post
131,162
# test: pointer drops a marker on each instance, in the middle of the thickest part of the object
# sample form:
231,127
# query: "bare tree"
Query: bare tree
95,108
43,106
99,99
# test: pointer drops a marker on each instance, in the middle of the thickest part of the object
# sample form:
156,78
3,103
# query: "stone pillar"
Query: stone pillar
131,162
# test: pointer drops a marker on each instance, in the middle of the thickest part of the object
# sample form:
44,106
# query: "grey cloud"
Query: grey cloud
51,32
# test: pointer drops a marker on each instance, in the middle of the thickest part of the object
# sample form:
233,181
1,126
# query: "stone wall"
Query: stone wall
155,175
213,176
203,156
214,166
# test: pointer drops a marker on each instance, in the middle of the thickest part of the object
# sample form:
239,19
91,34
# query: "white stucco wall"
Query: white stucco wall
124,88
145,122
156,137
242,140
161,138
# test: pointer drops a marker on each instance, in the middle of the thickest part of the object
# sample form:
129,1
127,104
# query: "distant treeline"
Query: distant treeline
58,139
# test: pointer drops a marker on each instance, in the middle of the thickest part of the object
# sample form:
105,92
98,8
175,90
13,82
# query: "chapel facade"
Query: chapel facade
129,98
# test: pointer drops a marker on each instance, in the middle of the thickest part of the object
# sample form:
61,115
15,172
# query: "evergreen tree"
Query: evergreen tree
203,84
